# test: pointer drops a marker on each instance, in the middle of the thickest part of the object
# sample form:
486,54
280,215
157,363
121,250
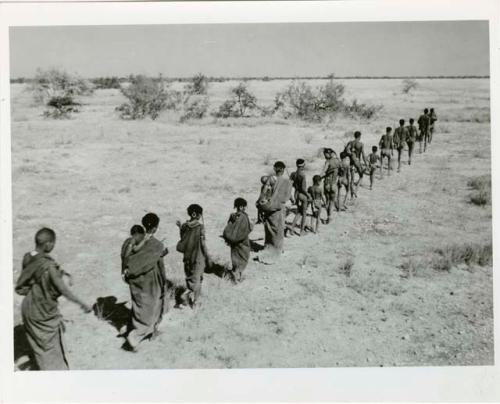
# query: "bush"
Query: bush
195,107
408,85
197,86
58,83
482,187
301,101
469,254
241,102
363,111
61,107
106,82
146,97
298,100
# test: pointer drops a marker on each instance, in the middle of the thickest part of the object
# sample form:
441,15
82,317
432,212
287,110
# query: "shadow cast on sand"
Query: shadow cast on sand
256,247
116,314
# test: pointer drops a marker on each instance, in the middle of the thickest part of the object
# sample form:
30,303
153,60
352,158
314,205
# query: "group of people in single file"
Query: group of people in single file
42,281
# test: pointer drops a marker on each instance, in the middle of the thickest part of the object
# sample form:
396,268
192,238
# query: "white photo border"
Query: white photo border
480,383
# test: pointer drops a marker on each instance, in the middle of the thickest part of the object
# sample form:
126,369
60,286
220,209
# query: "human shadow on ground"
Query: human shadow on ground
22,349
218,270
256,247
116,314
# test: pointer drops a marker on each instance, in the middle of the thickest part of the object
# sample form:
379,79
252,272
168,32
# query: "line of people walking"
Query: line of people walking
42,281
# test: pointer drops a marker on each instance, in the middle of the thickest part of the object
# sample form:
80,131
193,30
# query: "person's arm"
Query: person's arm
323,199
363,153
204,249
59,284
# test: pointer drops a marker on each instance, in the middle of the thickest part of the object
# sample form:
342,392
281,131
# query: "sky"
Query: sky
424,48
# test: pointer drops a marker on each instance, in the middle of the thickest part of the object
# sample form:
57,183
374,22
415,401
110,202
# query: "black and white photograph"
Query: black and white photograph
251,195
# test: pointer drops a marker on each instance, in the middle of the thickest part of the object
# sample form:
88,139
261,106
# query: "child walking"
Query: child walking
236,235
196,258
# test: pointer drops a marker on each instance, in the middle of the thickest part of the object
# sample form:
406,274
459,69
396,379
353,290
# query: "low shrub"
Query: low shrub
469,254
408,85
146,97
61,107
195,107
241,101
482,190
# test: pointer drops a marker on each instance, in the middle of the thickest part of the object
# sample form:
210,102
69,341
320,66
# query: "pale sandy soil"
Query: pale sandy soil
92,177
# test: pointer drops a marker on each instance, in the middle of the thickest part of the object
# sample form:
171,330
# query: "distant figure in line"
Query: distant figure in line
329,175
344,179
317,198
41,283
196,258
411,138
301,198
399,140
433,119
386,149
235,234
373,161
423,126
356,151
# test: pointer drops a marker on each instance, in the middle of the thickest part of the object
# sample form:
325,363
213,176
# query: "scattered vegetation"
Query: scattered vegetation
481,195
198,85
469,254
106,82
61,107
241,102
408,85
58,83
346,266
300,100
195,107
57,89
146,97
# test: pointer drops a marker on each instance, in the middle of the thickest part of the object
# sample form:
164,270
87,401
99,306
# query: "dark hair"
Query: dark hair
412,120
374,148
357,134
388,129
279,165
299,162
343,154
150,221
401,121
194,209
44,235
426,110
432,109
316,179
136,229
327,150
240,202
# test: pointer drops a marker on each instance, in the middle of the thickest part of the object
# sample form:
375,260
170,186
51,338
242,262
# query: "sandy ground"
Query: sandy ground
94,176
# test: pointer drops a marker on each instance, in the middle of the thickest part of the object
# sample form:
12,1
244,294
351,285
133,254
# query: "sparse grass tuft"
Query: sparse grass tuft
409,268
469,254
345,267
482,190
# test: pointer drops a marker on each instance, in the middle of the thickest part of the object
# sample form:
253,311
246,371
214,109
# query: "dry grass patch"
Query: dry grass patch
482,190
